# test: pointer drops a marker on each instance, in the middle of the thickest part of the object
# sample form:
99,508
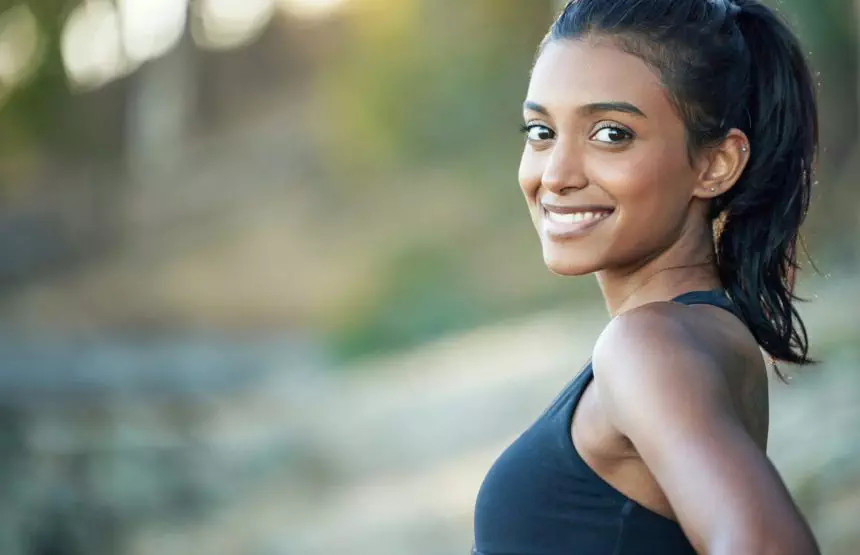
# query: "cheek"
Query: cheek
530,174
629,176
645,182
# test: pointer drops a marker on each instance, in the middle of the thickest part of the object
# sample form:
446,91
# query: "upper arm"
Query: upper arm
662,388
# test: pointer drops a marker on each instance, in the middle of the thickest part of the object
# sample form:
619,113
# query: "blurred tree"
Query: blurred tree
427,82
33,109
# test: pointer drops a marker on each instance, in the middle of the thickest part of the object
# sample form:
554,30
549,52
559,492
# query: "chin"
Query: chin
569,264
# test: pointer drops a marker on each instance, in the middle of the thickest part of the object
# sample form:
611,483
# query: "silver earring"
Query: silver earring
713,189
743,148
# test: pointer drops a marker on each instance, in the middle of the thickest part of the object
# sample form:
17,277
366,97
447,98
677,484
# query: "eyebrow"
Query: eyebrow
593,108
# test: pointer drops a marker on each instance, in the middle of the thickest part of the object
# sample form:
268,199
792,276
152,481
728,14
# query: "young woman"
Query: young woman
669,151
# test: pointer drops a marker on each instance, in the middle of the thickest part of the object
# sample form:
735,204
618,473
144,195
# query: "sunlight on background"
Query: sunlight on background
92,45
151,28
103,41
225,24
21,46
310,9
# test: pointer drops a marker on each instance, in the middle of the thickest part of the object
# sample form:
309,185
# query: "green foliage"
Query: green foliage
33,112
439,84
424,295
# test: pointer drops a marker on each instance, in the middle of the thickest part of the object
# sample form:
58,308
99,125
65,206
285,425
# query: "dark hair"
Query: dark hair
731,65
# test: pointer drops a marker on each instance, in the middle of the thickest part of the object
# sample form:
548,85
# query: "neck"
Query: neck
688,265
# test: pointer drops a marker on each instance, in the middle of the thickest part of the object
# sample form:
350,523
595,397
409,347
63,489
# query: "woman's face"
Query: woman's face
606,170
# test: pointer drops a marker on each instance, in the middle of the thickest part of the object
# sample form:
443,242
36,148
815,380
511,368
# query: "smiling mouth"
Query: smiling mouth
569,223
576,217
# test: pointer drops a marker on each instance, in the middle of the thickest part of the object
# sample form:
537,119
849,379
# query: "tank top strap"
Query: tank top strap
713,297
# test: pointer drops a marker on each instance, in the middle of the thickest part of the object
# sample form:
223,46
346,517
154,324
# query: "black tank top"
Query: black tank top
541,498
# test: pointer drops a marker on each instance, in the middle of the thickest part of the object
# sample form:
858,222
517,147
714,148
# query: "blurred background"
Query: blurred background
267,285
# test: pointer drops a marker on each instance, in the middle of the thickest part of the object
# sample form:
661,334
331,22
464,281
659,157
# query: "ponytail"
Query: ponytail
761,215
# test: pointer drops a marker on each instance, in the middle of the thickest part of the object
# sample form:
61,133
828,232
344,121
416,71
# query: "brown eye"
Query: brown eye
612,135
537,133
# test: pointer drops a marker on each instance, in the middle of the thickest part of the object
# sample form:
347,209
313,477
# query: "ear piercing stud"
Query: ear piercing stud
743,148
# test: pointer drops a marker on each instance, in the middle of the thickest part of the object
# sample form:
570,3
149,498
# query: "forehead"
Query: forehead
572,73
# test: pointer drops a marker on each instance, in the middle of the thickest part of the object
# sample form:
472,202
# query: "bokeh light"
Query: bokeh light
226,24
310,9
92,45
151,28
21,45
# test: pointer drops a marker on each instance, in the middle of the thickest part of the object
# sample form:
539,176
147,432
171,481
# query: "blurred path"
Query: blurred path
403,443
400,444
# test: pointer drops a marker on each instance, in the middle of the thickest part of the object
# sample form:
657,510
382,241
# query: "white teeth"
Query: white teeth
576,217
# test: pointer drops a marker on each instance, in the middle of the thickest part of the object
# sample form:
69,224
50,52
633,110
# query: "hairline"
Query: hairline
624,41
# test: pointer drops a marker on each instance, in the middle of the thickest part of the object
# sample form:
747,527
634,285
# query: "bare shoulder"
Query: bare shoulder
659,335
674,355
667,378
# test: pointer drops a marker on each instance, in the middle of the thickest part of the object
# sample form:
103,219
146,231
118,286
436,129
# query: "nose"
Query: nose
564,170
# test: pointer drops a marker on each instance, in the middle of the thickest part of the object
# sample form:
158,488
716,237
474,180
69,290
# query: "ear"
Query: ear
722,165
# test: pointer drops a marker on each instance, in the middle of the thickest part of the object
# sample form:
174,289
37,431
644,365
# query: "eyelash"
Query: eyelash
615,127
524,129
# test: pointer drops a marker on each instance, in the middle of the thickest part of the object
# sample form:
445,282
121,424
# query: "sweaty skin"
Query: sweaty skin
676,417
